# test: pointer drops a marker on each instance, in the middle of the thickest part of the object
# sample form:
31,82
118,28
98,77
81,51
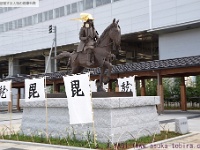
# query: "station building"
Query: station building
160,38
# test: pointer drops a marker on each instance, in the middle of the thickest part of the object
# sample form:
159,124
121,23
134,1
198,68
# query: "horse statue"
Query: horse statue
102,54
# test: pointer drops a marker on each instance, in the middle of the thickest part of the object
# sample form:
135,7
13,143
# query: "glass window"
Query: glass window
74,7
40,17
25,21
1,10
98,3
62,11
115,0
68,9
46,15
10,26
29,20
5,9
50,14
88,4
35,19
1,28
6,26
15,24
19,23
80,6
102,2
10,8
57,12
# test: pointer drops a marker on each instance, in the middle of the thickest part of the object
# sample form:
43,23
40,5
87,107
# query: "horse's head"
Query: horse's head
115,33
111,35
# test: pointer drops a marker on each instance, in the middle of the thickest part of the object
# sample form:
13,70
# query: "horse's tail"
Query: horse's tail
62,55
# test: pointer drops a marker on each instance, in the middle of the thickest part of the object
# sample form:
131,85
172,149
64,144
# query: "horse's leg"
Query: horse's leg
108,65
100,85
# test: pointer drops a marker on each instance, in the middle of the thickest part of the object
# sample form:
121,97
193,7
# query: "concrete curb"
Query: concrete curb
167,140
44,145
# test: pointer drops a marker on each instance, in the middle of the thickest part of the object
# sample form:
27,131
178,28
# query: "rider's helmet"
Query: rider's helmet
86,16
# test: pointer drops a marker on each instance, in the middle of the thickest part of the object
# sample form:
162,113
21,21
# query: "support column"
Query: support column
183,95
56,88
110,86
13,66
116,87
142,89
160,93
18,99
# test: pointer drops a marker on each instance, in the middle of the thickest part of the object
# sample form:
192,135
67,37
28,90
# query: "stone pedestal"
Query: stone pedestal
116,119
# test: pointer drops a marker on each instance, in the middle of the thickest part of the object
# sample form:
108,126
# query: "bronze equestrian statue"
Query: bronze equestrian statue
101,52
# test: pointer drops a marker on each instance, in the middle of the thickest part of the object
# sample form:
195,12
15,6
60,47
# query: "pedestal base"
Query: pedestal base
116,119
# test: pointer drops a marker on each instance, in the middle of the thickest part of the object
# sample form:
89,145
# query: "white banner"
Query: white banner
105,87
127,85
93,86
77,88
34,89
5,91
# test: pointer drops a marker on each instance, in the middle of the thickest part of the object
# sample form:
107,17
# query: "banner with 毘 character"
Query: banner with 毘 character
77,88
34,89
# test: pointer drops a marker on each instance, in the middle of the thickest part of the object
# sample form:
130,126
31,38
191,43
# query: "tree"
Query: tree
151,87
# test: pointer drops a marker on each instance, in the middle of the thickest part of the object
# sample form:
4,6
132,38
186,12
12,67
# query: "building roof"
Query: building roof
183,62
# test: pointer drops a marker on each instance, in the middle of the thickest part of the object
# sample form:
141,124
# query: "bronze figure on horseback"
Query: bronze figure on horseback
100,49
88,37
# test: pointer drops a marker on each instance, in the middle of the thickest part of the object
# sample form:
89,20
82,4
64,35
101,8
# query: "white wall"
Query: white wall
172,12
133,16
179,44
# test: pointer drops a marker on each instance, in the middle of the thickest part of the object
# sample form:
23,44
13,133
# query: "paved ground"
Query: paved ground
166,121
187,142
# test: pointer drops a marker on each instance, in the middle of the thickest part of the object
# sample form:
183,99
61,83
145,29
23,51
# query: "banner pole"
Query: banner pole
94,131
10,108
45,81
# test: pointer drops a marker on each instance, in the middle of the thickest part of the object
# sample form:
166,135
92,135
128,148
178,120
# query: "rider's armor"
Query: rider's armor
88,36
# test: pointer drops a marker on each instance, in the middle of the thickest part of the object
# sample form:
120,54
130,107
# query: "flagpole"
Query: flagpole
94,131
45,80
10,107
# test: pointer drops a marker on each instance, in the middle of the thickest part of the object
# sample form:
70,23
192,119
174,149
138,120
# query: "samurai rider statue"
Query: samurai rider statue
88,37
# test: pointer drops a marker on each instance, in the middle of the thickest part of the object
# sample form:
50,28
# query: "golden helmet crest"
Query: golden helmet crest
84,17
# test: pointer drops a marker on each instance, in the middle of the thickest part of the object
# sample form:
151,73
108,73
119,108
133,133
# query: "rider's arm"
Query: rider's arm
82,36
96,34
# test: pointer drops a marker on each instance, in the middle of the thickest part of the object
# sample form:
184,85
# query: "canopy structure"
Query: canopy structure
178,67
